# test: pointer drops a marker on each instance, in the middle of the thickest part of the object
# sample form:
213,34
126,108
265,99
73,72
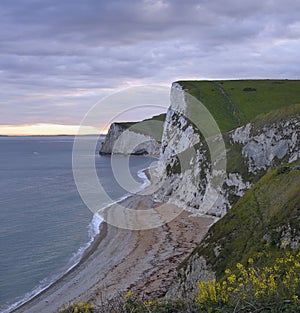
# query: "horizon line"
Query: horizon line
51,135
49,129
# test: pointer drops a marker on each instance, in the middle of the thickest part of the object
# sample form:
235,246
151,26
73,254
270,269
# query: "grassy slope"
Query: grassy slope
232,106
160,117
274,201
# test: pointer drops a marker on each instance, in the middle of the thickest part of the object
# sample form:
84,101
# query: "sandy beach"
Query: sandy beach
119,260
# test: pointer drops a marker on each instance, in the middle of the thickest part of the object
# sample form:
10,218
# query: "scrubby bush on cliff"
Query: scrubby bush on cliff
262,285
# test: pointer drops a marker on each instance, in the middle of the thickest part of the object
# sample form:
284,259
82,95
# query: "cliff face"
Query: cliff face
121,140
186,170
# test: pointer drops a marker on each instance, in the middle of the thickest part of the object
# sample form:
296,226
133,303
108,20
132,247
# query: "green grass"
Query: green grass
152,126
231,105
208,93
160,117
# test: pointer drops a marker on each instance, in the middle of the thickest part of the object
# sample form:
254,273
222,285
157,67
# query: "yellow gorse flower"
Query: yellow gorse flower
128,295
79,307
251,283
148,302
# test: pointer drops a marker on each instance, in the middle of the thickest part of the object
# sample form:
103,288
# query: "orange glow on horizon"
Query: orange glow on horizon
46,129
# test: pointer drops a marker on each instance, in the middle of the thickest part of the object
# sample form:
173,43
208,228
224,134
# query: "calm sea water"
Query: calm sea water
44,225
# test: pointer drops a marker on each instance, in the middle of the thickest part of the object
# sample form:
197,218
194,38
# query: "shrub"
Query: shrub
283,169
252,288
79,307
249,89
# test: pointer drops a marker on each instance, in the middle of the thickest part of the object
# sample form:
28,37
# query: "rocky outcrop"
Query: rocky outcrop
263,147
122,140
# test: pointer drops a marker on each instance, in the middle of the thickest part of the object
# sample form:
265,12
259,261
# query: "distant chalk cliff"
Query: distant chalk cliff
123,140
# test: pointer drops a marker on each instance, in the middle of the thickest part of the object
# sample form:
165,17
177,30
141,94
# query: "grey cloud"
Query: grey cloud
96,23
52,49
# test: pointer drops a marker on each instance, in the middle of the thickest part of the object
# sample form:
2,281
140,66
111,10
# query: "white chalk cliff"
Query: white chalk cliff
120,140
186,171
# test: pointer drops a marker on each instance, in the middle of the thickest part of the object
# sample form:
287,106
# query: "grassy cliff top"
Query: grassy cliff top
160,117
146,126
236,102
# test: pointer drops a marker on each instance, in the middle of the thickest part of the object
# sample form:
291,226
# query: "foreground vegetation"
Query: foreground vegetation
258,286
264,284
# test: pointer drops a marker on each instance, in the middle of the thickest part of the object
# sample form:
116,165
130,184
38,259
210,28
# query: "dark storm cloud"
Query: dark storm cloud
68,54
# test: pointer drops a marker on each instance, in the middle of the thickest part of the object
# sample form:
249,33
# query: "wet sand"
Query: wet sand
119,260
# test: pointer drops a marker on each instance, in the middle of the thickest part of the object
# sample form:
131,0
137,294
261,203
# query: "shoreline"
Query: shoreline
87,253
120,260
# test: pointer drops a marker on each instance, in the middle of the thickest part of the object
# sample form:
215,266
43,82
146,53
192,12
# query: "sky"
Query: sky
59,58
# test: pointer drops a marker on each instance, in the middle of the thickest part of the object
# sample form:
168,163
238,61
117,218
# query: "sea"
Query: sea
44,225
